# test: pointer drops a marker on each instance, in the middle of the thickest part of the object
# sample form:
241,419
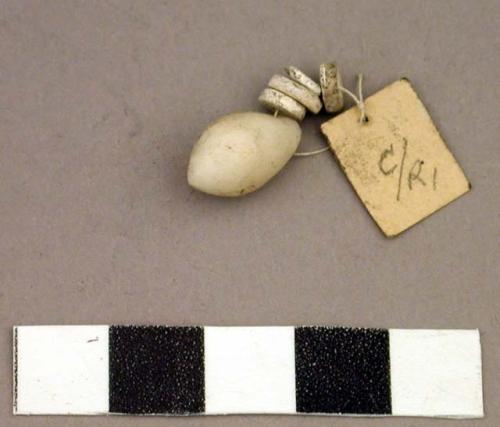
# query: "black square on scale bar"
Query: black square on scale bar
342,370
156,370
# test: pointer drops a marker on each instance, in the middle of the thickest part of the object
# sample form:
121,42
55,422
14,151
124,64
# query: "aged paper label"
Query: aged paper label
397,163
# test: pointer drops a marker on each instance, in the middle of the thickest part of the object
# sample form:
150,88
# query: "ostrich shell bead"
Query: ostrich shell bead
296,91
240,152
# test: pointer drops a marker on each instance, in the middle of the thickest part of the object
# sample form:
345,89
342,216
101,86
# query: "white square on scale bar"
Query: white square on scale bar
249,370
61,370
436,373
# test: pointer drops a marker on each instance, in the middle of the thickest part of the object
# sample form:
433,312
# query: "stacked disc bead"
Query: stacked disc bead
295,93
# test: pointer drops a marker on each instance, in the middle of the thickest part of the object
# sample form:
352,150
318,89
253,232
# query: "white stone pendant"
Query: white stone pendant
240,152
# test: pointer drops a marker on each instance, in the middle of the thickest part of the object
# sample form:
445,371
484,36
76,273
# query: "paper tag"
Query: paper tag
398,163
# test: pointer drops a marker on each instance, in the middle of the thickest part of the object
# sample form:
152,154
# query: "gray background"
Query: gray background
100,103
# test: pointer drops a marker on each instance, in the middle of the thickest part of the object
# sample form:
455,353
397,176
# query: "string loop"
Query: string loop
359,100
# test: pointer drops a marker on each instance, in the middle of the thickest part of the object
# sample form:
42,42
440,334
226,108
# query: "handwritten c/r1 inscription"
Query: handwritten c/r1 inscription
411,172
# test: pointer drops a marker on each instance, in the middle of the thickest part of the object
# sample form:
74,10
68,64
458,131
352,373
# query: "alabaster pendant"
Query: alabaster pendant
240,152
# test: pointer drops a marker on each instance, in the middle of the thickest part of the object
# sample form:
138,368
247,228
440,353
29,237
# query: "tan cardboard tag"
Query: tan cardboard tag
397,162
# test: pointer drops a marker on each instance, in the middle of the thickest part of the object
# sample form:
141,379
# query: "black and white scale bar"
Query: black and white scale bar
165,370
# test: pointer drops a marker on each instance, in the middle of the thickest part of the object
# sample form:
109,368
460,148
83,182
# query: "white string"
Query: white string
360,103
311,153
362,116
